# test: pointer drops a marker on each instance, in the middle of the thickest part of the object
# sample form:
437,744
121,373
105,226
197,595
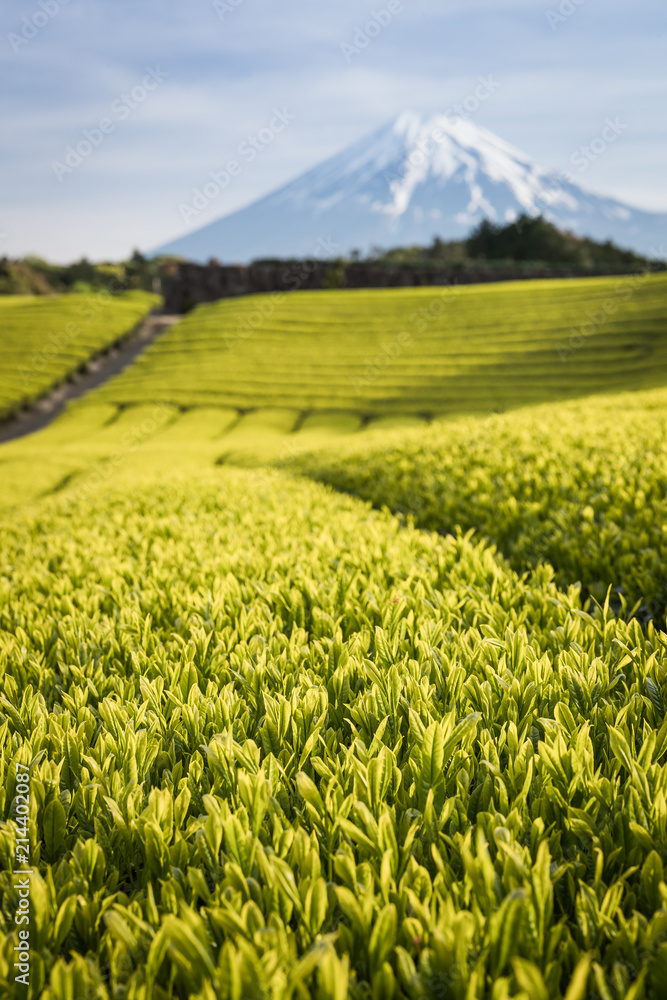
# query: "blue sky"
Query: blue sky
220,68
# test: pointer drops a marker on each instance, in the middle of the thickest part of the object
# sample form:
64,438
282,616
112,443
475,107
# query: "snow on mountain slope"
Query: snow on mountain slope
417,177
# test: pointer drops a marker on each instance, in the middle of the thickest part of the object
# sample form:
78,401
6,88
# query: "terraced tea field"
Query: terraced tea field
278,743
44,339
418,351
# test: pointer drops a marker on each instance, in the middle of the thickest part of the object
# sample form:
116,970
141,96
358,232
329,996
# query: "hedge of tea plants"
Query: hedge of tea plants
280,745
44,339
421,351
580,485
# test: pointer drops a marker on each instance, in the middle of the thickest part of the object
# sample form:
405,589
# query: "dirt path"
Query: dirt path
98,370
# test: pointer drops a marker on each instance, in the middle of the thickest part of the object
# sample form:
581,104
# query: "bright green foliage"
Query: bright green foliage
89,439
422,351
285,746
282,746
581,485
92,441
45,339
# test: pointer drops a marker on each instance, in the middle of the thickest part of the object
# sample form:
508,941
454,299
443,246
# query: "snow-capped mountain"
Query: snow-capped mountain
418,177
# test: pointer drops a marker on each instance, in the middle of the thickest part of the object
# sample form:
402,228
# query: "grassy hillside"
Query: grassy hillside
581,485
428,351
281,744
43,340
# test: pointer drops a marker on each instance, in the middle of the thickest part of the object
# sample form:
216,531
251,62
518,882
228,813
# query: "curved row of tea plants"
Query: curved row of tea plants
426,351
43,339
581,485
281,746
92,439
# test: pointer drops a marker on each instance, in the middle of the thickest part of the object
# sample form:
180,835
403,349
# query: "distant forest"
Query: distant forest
34,276
527,240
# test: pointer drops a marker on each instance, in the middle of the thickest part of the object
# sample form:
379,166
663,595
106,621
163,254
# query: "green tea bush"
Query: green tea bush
281,746
421,351
581,485
44,339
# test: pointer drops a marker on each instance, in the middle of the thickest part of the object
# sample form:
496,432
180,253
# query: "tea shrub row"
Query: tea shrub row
581,485
428,351
43,339
282,746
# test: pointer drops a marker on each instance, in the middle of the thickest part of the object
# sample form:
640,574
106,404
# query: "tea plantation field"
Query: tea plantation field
581,485
419,351
280,745
44,339
260,739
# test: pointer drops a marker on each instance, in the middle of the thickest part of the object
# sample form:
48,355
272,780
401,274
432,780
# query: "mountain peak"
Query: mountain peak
421,175
444,148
